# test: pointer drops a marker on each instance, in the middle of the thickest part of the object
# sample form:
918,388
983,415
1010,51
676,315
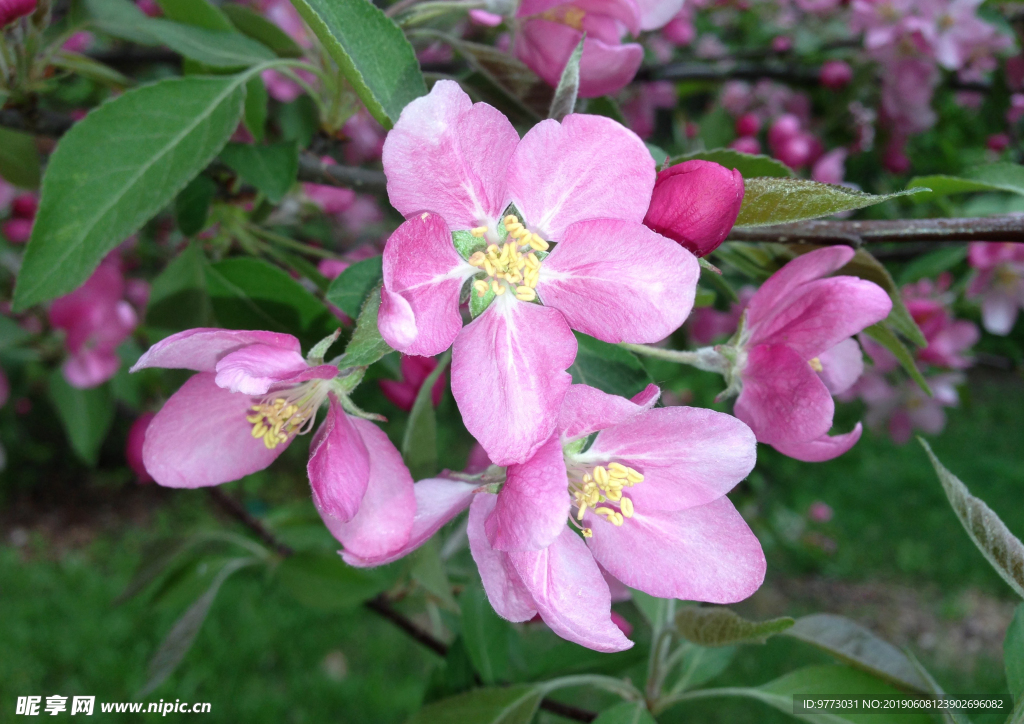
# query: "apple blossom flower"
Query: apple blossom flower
96,319
999,284
746,144
415,371
748,124
794,351
640,110
695,203
11,10
253,395
947,338
903,407
830,168
460,174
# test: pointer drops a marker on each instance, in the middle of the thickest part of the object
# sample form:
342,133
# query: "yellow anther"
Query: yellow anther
617,470
477,259
633,476
478,232
500,290
616,519
606,512
583,509
601,476
525,294
538,243
481,287
489,268
815,364
492,249
626,506
587,533
587,478
518,233
510,219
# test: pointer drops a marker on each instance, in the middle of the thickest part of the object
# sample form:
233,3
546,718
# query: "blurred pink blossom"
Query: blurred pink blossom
999,283
414,372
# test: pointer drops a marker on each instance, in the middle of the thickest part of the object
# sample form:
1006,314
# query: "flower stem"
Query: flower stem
705,358
622,687
291,243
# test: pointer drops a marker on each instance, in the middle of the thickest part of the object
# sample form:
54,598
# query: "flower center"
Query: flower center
601,490
514,264
815,364
571,16
285,413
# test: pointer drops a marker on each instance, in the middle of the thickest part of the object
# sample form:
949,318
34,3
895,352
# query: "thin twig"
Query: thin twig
233,508
1009,227
567,710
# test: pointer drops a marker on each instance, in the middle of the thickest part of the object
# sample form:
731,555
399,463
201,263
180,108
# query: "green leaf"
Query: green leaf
86,67
11,333
351,288
564,101
466,244
85,414
323,581
865,266
271,169
608,367
835,682
178,299
719,626
198,13
249,293
768,201
120,18
213,48
118,167
419,444
251,23
19,159
366,345
1001,548
1013,655
995,177
485,635
509,705
255,113
855,645
930,265
627,712
371,52
192,207
183,634
607,107
700,664
882,334
749,165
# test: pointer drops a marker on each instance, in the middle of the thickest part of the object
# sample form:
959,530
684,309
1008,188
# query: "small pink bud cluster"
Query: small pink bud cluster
11,10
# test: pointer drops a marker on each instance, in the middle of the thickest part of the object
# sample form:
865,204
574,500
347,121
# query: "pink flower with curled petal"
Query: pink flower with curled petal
795,350
648,496
96,319
695,203
583,184
253,395
999,284
415,371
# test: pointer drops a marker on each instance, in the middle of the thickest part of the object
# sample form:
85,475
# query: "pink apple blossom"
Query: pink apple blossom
748,124
746,144
795,350
695,203
415,371
830,168
999,284
18,228
11,10
903,407
640,110
585,185
948,338
96,319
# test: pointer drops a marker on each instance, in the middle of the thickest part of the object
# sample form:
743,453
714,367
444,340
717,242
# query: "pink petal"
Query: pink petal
619,281
587,409
688,456
841,366
647,397
999,313
783,400
776,291
449,156
624,11
201,437
423,277
822,313
822,449
570,592
505,589
509,378
200,349
561,172
533,505
656,13
339,465
437,501
252,369
384,521
91,367
706,553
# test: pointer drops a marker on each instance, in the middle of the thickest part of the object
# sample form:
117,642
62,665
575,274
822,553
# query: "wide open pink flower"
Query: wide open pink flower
999,284
583,184
795,350
253,395
948,338
96,319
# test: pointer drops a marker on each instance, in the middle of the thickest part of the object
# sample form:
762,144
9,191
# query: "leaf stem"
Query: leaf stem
705,358
622,687
291,243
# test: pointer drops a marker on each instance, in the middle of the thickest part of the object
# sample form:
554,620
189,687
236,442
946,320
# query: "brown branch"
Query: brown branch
1009,227
311,168
380,605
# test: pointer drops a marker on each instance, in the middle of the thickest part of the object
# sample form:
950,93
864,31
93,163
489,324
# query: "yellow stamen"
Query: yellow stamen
510,219
587,533
478,232
626,506
481,287
815,364
525,294
538,243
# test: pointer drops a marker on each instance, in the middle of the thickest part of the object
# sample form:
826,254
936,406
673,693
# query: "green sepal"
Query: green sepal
478,304
466,244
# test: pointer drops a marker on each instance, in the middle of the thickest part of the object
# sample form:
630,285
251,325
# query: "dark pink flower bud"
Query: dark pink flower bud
748,125
24,206
895,159
782,43
820,512
746,144
11,10
835,74
784,128
796,151
696,203
133,448
998,142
